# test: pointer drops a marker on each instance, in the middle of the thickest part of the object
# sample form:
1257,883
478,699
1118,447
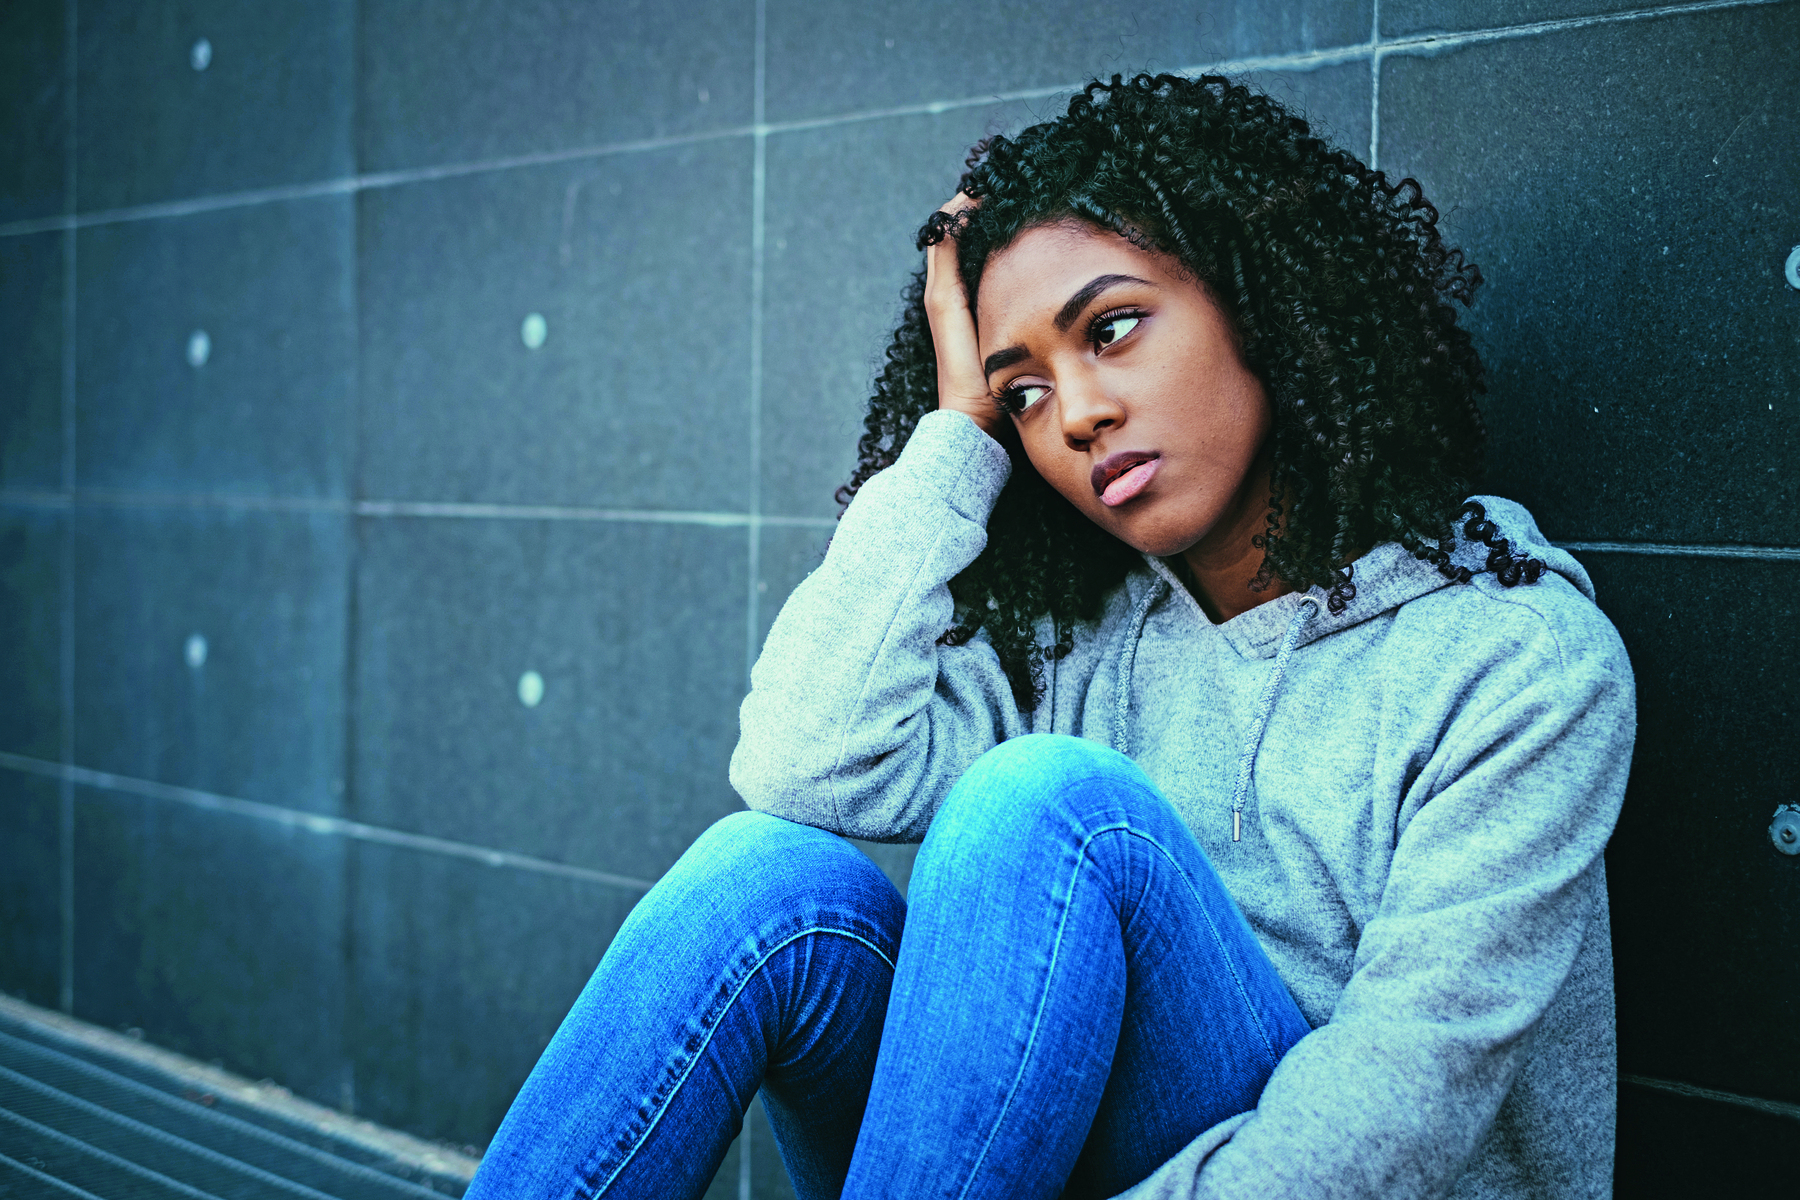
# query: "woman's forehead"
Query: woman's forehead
1037,272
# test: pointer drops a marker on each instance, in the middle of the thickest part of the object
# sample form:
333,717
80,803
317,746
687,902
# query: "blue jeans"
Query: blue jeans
1074,999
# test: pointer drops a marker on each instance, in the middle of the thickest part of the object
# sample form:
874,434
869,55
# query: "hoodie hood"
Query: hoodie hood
1386,577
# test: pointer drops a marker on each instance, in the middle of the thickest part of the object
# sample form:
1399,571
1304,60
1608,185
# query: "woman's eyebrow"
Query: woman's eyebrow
999,360
1065,316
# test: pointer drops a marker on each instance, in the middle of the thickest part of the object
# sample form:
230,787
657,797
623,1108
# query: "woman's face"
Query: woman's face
1127,387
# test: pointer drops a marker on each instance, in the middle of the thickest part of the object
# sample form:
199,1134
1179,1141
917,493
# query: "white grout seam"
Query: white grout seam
65,818
758,234
309,822
1374,163
423,509
1682,550
1299,61
400,509
1777,1108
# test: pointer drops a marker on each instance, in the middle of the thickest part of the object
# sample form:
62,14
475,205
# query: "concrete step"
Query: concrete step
85,1111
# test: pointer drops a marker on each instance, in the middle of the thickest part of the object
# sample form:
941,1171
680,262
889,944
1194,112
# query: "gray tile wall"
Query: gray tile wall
374,355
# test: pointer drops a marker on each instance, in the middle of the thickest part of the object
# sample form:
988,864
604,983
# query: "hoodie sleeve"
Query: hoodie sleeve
1488,897
857,720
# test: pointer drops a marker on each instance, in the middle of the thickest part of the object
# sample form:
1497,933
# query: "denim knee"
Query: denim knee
752,866
1022,778
1050,758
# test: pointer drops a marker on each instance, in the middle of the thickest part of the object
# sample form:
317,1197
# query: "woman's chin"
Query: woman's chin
1158,543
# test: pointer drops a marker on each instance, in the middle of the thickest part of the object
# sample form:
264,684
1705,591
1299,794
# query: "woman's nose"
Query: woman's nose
1087,408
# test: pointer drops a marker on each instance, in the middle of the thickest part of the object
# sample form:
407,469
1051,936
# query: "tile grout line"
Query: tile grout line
1422,43
420,509
350,1017
65,788
1777,1108
317,823
758,233
1684,550
1374,163
427,510
759,191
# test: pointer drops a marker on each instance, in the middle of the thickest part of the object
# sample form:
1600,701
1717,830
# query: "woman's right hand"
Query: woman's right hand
961,384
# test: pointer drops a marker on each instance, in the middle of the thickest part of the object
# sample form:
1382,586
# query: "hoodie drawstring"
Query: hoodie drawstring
1309,608
1127,661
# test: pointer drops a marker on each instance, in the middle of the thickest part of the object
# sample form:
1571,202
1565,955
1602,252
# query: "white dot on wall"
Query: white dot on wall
200,56
195,651
534,330
531,689
1792,270
199,348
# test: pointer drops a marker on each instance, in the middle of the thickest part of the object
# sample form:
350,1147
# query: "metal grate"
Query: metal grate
76,1122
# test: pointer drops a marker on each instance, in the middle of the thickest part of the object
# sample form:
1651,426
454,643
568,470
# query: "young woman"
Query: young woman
1263,776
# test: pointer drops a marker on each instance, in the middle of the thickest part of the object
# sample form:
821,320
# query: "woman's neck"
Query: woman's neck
1220,568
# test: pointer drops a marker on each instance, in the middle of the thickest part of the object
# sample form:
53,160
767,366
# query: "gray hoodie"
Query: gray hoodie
1426,783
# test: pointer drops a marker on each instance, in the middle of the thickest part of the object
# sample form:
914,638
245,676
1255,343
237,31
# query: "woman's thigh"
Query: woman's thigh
1077,996
764,956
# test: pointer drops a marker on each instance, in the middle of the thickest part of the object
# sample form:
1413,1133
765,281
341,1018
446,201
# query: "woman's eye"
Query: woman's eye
1113,329
1025,397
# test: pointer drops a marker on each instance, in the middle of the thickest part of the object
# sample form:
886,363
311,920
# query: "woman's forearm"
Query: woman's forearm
857,719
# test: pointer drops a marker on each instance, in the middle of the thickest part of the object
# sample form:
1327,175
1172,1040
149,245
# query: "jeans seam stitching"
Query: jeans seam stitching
1125,826
1081,859
1211,925
1036,1018
713,1028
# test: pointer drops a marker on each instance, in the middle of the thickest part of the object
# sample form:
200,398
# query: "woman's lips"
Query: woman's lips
1119,477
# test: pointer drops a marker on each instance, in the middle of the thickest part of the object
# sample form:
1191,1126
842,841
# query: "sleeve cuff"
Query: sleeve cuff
950,455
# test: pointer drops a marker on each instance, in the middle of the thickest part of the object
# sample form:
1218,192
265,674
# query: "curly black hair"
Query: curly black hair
1341,293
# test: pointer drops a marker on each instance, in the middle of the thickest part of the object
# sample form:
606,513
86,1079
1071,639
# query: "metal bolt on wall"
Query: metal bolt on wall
1784,830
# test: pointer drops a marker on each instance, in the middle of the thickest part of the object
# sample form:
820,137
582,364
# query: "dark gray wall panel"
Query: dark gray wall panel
787,555
270,410
220,937
31,328
834,56
31,604
260,715
30,888
1334,100
1706,913
1404,18
34,118
271,107
768,1177
484,79
1631,192
637,634
844,203
638,395
463,972
1672,1145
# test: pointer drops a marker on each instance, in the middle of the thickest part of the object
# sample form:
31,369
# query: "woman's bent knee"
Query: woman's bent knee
1027,777
752,866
